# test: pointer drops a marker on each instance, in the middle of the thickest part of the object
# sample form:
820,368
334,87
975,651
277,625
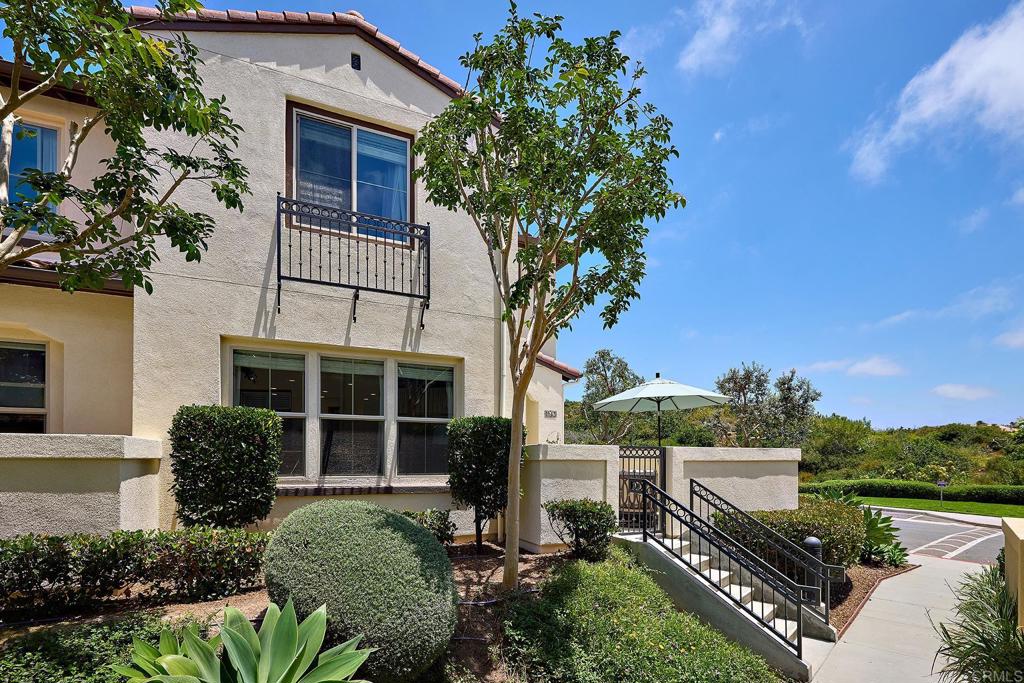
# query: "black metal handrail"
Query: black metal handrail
775,549
675,519
326,245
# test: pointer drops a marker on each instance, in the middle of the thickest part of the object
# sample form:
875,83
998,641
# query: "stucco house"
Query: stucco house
340,298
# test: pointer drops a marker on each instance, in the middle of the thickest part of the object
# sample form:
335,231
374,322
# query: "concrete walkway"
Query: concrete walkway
892,638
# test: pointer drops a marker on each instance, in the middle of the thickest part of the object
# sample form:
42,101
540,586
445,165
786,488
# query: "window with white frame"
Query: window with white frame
264,379
33,147
346,166
22,387
351,417
425,405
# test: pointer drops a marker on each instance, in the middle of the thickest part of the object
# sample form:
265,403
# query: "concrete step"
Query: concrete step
678,545
764,610
786,626
720,576
742,593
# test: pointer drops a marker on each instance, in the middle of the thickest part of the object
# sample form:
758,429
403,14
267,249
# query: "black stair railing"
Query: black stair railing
793,561
754,586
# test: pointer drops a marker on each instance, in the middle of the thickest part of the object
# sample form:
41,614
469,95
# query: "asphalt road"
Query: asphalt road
938,537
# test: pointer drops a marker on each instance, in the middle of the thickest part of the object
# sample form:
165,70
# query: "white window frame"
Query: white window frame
312,453
424,420
382,418
56,125
299,111
45,410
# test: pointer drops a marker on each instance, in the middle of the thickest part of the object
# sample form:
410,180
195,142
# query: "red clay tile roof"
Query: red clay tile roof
568,372
300,22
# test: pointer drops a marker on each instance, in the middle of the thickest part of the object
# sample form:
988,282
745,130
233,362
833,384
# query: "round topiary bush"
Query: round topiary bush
380,574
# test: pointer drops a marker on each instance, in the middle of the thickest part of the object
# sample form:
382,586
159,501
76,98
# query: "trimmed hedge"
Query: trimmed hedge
839,527
380,574
897,488
585,525
437,521
225,462
51,573
611,622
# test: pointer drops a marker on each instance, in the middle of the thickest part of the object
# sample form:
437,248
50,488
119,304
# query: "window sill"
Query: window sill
322,490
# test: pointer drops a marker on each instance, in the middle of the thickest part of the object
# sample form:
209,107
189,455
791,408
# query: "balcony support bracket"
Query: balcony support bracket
424,305
355,300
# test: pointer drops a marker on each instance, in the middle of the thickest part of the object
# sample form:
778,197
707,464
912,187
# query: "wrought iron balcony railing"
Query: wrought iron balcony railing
341,248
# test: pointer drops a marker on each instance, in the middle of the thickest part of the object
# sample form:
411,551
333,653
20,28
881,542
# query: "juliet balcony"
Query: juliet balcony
335,247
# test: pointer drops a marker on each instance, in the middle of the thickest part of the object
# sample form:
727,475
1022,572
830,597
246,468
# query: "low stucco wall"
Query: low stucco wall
64,483
750,478
561,471
1013,537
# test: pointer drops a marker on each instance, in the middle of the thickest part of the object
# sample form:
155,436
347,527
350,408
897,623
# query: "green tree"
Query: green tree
137,82
554,157
762,413
477,451
606,375
835,442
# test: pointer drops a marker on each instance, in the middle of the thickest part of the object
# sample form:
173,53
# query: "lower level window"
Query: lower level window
351,447
422,448
22,388
264,379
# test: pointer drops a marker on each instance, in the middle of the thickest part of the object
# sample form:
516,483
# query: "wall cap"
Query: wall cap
79,446
694,453
570,451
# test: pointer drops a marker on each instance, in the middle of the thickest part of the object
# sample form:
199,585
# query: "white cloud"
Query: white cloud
1012,339
979,80
1018,196
974,221
873,366
639,41
723,26
718,135
876,366
962,392
973,304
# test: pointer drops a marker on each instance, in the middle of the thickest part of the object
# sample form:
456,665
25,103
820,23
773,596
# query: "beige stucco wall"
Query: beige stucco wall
545,397
559,472
89,354
750,478
57,483
1013,539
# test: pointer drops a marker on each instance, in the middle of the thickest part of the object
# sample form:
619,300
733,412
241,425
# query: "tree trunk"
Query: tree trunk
510,579
478,523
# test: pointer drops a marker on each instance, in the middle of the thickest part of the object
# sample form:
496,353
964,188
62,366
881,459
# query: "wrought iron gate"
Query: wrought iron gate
638,462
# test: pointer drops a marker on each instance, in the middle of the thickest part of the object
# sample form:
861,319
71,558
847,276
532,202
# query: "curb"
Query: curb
997,522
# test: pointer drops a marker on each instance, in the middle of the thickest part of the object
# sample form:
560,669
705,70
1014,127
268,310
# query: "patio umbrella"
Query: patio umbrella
660,394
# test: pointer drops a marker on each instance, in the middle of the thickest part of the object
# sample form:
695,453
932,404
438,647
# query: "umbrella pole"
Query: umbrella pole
659,424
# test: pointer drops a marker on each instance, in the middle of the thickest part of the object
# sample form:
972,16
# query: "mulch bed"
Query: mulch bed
861,581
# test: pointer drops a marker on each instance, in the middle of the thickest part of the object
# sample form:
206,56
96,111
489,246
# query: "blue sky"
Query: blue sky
855,180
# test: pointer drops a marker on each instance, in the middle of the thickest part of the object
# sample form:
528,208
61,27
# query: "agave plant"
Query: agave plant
282,651
878,527
838,496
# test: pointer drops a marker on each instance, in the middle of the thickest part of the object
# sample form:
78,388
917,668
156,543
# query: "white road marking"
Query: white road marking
928,521
935,542
972,544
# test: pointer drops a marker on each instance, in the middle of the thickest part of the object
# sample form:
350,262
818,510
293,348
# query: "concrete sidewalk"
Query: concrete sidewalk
892,639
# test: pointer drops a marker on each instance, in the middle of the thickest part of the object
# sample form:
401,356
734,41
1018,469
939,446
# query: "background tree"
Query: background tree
137,81
763,414
557,162
606,374
477,472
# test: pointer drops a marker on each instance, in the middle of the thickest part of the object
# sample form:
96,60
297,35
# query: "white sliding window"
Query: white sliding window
351,417
425,405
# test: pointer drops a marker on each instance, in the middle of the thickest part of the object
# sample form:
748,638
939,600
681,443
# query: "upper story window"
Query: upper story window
33,147
22,387
347,166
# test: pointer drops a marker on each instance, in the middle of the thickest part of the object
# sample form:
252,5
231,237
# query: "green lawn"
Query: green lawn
970,508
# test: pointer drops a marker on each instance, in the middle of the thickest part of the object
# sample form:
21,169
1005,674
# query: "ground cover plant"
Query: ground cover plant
381,576
609,621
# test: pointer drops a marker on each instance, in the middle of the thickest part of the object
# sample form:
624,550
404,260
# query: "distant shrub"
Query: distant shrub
839,527
380,575
585,525
225,462
611,622
690,434
895,488
51,573
437,522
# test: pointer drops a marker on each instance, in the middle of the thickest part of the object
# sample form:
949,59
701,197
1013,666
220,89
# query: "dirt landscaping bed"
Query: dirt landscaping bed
861,581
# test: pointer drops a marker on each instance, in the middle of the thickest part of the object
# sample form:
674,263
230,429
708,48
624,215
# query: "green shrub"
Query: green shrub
897,488
838,526
51,573
585,525
380,575
437,522
894,555
611,622
225,462
690,434
982,641
478,449
76,654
